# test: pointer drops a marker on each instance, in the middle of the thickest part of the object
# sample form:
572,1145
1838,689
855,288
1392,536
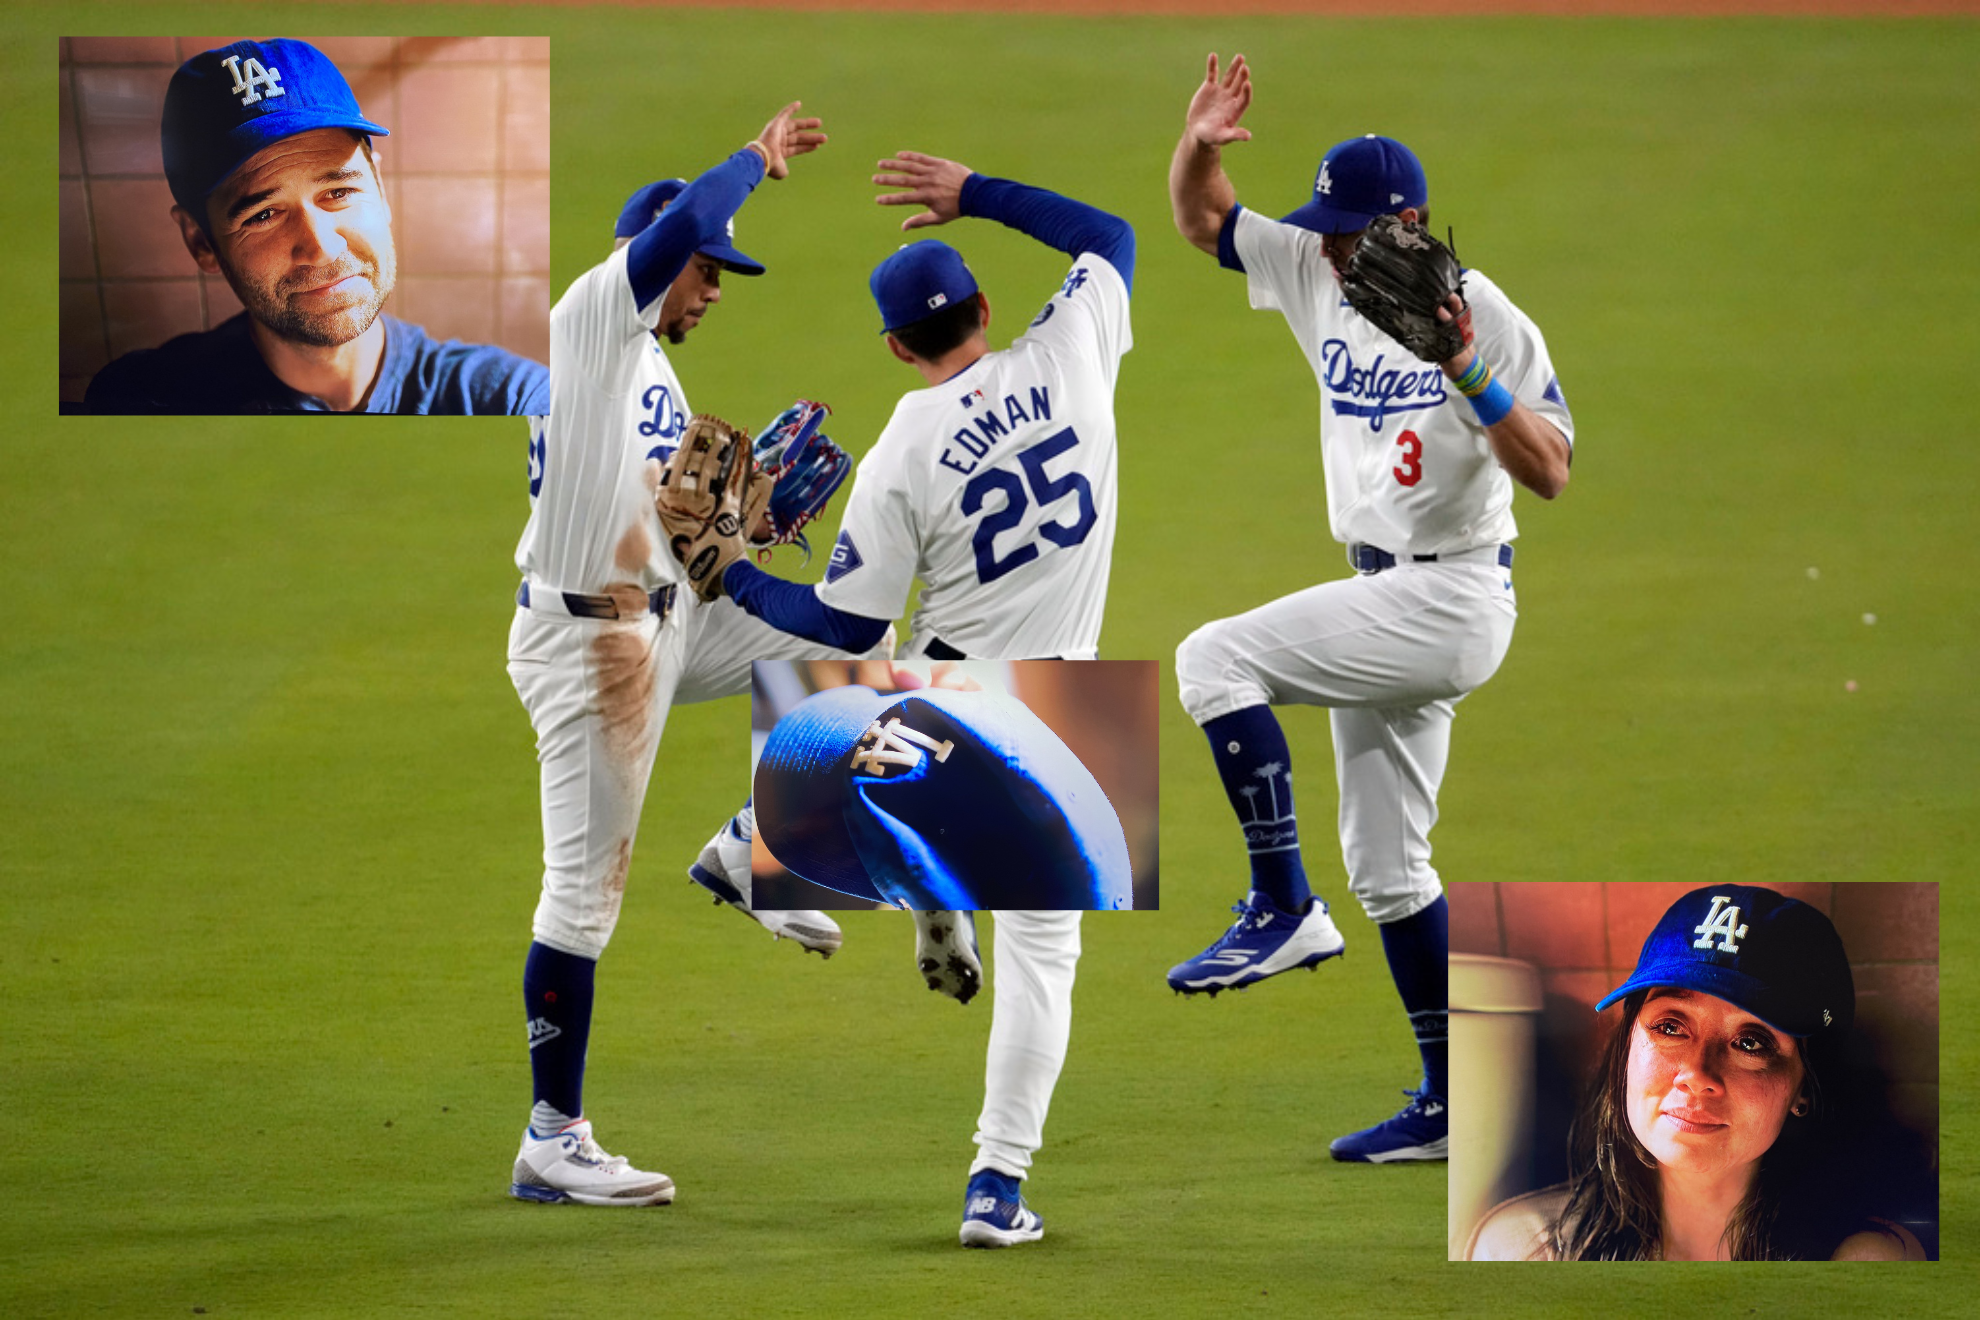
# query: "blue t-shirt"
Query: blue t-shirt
221,371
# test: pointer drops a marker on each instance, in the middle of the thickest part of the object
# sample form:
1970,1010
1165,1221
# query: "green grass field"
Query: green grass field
269,819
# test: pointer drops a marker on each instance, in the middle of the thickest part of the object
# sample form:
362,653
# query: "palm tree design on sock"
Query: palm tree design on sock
1275,832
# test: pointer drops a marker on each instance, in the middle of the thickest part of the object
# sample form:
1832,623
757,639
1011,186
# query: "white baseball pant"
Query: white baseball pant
1390,654
1034,958
598,692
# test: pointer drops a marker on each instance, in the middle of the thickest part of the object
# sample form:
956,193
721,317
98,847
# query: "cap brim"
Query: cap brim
1324,219
731,259
266,130
1735,988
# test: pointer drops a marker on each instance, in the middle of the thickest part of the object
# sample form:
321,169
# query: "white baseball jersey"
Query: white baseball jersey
616,410
1408,467
998,489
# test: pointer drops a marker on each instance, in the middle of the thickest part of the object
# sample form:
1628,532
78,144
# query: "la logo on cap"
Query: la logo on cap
1722,921
1325,183
256,76
891,745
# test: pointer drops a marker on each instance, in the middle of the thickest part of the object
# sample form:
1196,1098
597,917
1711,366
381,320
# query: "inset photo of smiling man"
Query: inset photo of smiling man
268,279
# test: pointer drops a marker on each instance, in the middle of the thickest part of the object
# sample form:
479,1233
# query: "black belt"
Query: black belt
581,606
1373,559
937,649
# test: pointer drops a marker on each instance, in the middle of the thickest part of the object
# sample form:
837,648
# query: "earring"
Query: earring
1800,1107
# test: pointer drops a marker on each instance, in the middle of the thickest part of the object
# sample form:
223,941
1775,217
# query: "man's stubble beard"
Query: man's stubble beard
270,305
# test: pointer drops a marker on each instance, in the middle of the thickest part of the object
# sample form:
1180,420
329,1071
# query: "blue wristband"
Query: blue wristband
1493,404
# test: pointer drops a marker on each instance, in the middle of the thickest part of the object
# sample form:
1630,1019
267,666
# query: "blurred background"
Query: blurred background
466,169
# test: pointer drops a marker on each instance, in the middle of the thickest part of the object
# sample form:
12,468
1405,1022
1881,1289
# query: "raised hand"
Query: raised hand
786,136
929,181
1219,104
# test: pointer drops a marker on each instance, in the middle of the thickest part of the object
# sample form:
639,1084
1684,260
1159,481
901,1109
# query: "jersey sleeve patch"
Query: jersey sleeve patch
845,558
1552,393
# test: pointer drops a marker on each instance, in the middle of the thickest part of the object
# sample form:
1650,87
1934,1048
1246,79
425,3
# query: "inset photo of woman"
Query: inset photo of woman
1663,1072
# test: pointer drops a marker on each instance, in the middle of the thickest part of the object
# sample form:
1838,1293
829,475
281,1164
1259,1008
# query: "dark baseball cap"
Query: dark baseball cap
1774,956
918,281
644,207
938,799
1358,180
224,105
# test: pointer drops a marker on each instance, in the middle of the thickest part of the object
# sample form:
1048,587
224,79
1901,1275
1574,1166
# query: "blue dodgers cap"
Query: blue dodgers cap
937,799
1774,956
644,207
918,281
1358,180
224,105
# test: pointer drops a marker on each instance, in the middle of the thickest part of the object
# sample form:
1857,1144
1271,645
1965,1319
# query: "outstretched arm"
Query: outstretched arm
1200,195
794,608
949,190
702,211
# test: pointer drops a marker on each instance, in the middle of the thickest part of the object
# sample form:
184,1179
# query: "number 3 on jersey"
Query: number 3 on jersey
1044,488
1409,471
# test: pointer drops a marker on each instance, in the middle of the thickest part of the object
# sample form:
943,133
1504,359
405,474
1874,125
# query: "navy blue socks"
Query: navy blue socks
1418,948
1250,750
557,1002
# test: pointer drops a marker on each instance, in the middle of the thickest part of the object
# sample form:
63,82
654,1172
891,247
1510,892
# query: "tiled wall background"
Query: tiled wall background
466,168
1584,938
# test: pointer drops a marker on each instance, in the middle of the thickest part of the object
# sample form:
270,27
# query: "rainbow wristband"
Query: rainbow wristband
1475,378
1489,398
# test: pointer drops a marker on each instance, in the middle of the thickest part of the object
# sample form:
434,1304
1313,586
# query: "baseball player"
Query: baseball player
270,163
995,485
1419,481
605,639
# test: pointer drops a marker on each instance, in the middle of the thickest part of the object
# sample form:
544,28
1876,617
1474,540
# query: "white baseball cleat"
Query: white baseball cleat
570,1166
723,870
945,951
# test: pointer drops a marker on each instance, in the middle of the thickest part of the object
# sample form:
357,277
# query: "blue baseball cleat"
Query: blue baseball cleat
1264,941
994,1212
1420,1132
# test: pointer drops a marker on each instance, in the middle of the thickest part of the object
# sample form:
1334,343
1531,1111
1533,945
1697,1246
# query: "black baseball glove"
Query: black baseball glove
1398,277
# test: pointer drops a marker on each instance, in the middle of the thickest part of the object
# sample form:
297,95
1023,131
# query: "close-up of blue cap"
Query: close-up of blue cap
222,106
938,800
1358,180
1774,956
644,207
918,281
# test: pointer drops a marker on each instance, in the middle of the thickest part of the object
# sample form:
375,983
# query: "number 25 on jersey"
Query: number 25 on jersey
1037,484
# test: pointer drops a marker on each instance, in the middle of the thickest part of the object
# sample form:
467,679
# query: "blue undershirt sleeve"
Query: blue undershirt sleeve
699,215
795,608
1056,221
1227,255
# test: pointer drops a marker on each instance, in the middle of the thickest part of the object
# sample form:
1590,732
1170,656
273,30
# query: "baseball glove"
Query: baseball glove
1398,277
797,470
700,500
